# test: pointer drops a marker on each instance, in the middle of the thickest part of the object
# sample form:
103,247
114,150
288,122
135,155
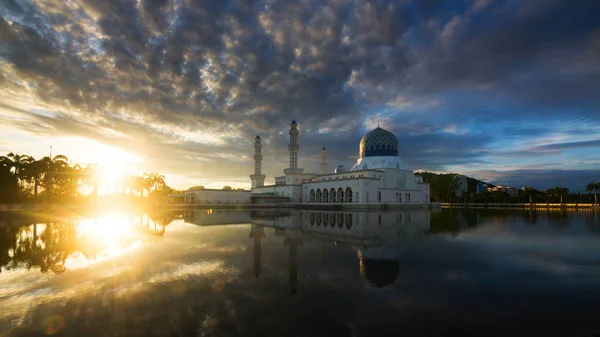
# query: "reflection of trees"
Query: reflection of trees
558,217
453,220
160,220
20,247
592,221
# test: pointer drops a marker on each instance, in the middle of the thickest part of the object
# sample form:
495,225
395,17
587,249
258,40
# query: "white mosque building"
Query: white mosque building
378,176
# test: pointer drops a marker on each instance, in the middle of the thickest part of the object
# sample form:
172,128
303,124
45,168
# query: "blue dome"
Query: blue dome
340,169
257,137
294,122
378,143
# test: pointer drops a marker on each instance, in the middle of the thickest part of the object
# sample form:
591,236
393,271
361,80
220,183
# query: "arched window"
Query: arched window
332,195
312,195
340,195
318,195
400,197
379,197
325,195
348,194
408,197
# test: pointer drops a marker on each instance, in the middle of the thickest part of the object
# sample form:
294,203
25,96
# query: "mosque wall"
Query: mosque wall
209,196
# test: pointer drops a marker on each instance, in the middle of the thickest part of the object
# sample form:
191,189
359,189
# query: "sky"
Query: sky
505,91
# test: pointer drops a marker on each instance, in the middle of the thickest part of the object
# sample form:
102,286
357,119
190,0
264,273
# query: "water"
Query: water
274,273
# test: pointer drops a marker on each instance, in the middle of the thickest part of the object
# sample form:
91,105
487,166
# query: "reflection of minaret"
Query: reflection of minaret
293,243
257,233
324,161
293,147
258,179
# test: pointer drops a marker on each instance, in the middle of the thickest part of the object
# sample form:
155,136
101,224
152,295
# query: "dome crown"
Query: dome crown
378,142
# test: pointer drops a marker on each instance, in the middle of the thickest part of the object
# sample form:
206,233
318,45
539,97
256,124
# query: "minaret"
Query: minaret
324,161
293,147
258,179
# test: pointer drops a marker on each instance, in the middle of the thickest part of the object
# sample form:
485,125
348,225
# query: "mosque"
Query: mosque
378,176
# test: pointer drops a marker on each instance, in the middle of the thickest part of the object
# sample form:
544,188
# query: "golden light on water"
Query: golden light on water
105,237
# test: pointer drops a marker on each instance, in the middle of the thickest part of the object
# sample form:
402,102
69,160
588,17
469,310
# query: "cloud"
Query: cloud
188,84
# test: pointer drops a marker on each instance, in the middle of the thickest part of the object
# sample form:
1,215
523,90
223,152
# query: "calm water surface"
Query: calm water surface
273,273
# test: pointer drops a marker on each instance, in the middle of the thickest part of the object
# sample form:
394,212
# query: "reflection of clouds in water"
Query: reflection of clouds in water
194,269
558,254
15,308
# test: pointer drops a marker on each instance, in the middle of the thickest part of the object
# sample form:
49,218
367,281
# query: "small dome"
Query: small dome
324,148
340,169
378,143
257,137
293,122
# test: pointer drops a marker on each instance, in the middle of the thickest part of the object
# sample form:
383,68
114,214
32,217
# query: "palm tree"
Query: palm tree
155,181
52,166
593,186
559,191
18,164
138,184
35,171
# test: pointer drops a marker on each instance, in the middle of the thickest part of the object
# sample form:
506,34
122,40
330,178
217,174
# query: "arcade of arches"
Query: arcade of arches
333,196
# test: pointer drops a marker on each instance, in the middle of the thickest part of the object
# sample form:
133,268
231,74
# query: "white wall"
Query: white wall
218,197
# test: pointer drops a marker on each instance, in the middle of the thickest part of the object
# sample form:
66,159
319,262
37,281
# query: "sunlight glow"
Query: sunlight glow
106,237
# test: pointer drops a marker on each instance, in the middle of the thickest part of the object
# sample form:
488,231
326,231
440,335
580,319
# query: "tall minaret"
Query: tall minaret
293,147
257,178
324,161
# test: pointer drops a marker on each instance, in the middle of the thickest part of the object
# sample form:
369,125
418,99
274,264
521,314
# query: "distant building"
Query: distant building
472,185
510,191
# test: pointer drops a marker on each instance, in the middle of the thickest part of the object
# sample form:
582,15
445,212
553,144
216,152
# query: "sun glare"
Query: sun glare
111,173
106,237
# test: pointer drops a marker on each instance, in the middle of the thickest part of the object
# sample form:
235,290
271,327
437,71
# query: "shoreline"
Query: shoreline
522,205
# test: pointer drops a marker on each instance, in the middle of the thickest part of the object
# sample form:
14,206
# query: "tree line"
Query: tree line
444,187
24,179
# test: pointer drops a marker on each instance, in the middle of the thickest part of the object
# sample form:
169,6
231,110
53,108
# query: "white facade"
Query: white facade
217,197
378,177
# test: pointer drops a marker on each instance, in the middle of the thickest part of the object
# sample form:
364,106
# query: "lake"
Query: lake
301,273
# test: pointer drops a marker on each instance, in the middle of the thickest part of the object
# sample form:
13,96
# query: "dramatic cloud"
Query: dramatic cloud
187,84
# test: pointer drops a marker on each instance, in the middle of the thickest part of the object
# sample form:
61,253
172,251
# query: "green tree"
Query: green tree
595,187
138,184
34,172
18,163
154,181
9,183
52,168
558,192
227,188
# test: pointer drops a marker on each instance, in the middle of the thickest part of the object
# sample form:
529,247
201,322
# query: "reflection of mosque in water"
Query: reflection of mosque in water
378,238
